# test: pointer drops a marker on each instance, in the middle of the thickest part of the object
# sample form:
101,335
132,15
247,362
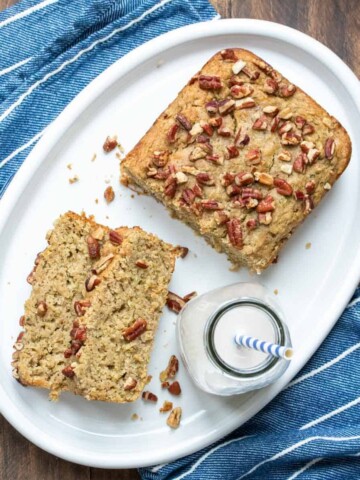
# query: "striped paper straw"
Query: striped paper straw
272,348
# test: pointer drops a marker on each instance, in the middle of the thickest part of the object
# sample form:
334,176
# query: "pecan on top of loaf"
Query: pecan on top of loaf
242,155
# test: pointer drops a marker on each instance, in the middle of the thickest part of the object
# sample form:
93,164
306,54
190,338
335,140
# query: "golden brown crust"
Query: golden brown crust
293,116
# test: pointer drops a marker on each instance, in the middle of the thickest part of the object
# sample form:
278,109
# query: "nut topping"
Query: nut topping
265,218
284,156
306,146
93,247
189,296
287,168
264,178
249,192
233,190
308,129
115,238
174,418
109,144
282,186
312,155
188,196
300,163
78,332
308,204
232,151
205,179
167,406
207,128
270,86
287,90
254,156
68,371
310,187
149,397
180,177
271,110
266,205
252,73
226,106
135,330
160,158
141,264
196,129
212,106
41,308
252,224
327,186
184,122
238,66
221,217
183,251
300,122
174,302
261,123
210,82
245,103
171,135
241,138
290,138
22,318
241,91
244,178
227,179
130,383
170,186
80,307
175,388
102,264
234,231
91,282
109,194
228,54
197,153
329,148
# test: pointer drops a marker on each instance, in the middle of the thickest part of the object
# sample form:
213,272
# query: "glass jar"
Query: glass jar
206,330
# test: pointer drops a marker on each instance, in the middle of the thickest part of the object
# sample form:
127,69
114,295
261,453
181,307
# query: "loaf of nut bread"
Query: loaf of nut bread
241,155
59,282
122,312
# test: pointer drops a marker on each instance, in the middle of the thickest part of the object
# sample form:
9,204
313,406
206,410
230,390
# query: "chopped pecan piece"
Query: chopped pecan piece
215,159
80,307
244,178
245,103
221,217
149,397
171,135
160,158
238,66
93,247
306,146
41,308
228,54
212,106
286,168
174,302
290,138
284,156
308,129
261,123
285,127
197,153
78,332
165,384
209,204
184,122
205,179
141,264
188,196
329,148
207,128
109,194
254,156
115,238
274,124
270,86
197,190
310,187
252,224
226,106
171,369
180,177
174,418
174,388
109,144
135,330
210,82
312,155
271,110
235,233
189,296
68,371
266,205
282,186
227,179
22,320
102,264
300,122
170,186
265,218
249,192
167,406
299,195
233,151
130,384
286,90
299,164
241,91
308,204
184,252
241,138
233,190
252,73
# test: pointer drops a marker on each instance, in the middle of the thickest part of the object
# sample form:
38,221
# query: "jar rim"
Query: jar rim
268,363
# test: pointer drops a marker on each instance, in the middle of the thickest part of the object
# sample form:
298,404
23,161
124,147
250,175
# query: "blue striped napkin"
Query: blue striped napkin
50,50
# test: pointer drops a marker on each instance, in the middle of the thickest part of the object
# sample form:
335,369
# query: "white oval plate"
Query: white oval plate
314,284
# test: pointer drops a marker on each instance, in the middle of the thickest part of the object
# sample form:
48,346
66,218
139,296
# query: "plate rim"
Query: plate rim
53,134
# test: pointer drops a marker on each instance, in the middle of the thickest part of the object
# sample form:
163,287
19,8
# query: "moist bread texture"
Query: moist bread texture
241,155
83,257
121,322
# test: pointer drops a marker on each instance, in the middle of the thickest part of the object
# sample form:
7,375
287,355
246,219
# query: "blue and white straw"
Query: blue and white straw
271,348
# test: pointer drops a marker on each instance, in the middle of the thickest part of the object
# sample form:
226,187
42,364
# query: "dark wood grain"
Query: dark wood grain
336,23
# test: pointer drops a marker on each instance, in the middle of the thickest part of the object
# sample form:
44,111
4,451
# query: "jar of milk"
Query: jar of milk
208,326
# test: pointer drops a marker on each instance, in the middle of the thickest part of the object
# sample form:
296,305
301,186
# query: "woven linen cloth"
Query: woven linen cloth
50,50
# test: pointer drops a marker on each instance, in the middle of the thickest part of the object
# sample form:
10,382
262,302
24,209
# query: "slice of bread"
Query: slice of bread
58,281
118,328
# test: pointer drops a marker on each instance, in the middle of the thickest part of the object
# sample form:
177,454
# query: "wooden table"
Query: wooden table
336,23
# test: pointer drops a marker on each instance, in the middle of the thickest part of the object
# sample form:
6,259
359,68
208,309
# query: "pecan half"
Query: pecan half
115,238
174,302
93,247
329,148
109,144
135,330
80,307
174,418
109,194
174,388
130,384
210,82
41,308
283,187
234,231
149,397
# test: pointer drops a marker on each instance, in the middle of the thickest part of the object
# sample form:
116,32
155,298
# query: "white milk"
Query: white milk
243,320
